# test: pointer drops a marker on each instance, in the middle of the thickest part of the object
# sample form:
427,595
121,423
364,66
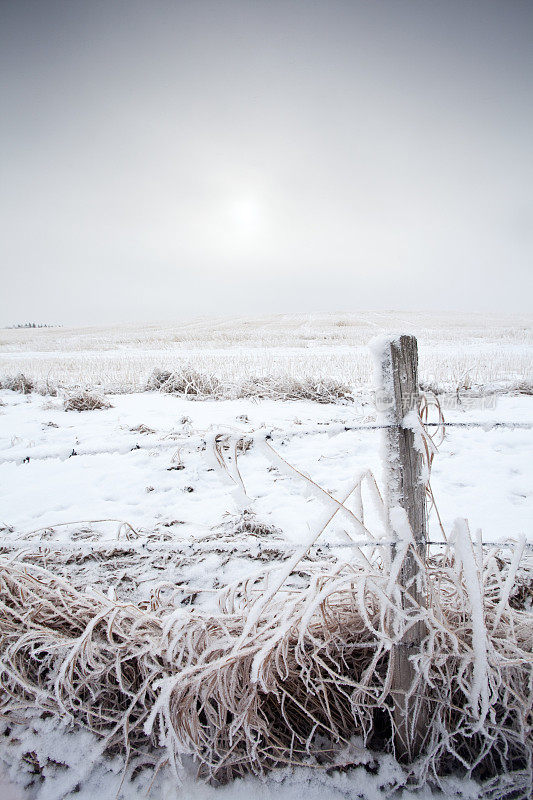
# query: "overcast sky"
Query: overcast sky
163,160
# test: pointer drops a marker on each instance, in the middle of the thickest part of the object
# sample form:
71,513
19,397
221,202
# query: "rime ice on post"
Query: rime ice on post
397,399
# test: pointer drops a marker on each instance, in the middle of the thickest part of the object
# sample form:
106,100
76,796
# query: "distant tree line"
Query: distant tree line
33,325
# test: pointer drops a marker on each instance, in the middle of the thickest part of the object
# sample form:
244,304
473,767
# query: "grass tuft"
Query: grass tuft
203,386
83,400
17,383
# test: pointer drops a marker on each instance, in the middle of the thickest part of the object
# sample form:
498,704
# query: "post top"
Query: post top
380,345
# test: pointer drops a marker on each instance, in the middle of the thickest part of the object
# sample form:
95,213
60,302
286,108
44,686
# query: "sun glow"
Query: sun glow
246,217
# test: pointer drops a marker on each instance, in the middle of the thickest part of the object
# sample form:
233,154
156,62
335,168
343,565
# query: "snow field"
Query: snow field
489,351
69,481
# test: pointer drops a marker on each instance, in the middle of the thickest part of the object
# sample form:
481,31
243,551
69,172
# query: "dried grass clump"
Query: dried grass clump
319,391
523,386
83,400
187,381
17,383
198,385
247,523
281,669
25,385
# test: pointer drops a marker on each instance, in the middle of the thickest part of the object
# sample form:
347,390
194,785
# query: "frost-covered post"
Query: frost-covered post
398,400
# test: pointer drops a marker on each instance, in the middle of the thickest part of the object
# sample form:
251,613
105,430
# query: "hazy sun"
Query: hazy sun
246,216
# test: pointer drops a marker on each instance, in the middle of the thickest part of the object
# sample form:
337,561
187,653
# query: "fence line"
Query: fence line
484,425
149,547
27,456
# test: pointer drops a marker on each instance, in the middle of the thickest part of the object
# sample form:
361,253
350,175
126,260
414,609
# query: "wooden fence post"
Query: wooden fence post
406,488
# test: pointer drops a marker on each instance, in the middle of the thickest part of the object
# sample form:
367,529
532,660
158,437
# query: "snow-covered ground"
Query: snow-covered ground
149,480
120,464
88,777
69,480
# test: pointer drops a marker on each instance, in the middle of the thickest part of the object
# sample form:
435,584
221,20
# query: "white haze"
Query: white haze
163,160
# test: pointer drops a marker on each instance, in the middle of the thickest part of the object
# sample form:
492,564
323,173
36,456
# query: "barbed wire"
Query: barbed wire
145,547
484,425
332,430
